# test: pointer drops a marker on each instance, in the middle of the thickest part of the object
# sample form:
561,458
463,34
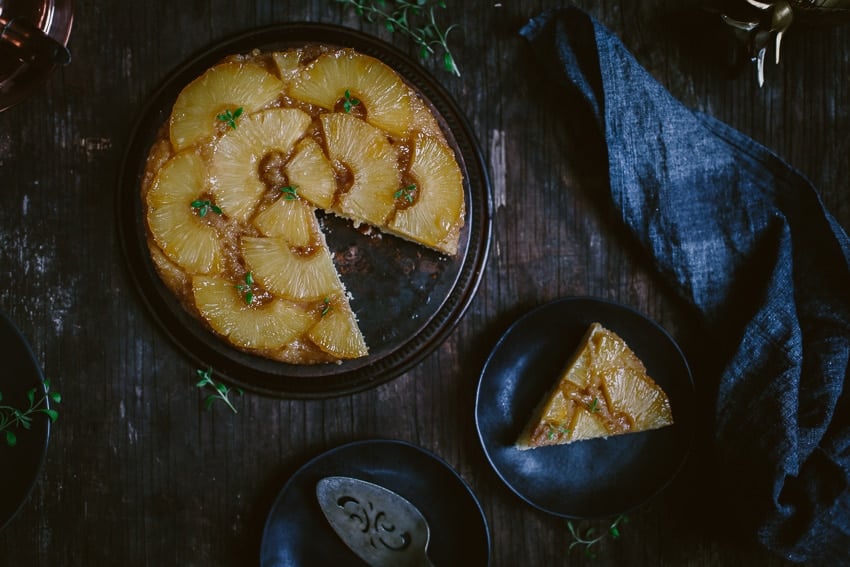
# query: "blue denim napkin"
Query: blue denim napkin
748,242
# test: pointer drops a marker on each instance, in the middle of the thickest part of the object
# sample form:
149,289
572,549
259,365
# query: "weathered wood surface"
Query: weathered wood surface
138,474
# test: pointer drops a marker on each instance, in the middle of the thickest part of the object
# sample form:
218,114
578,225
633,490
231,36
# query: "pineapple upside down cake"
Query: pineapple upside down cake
603,390
252,149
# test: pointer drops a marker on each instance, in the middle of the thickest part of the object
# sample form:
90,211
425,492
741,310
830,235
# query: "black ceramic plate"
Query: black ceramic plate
19,465
407,298
297,532
595,478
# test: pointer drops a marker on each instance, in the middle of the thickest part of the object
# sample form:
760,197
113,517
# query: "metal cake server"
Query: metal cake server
380,526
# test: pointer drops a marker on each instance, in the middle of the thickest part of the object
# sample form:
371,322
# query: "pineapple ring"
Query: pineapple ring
310,171
381,91
270,326
234,175
337,333
367,152
225,87
184,238
433,217
288,64
293,220
290,275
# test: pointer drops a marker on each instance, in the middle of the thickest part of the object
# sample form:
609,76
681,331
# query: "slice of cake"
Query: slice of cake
603,390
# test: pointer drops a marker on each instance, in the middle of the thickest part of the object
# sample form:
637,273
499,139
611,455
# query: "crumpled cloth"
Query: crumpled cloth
747,240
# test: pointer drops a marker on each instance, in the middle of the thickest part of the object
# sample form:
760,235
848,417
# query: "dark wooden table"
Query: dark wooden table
138,473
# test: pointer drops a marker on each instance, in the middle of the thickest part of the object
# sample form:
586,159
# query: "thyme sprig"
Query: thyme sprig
229,117
589,537
560,429
221,391
416,19
349,102
290,192
204,206
406,193
247,289
11,417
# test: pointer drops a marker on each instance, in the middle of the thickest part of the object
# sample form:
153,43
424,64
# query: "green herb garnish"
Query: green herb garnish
594,405
205,206
222,391
406,193
349,101
326,308
247,289
588,538
561,429
416,19
11,417
229,117
290,192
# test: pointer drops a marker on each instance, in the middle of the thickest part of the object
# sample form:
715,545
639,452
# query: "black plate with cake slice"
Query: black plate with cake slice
595,478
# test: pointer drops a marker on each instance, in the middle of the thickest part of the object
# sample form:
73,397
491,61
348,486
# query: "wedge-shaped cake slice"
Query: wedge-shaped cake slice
603,390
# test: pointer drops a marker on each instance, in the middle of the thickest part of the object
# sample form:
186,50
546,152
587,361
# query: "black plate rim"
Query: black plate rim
388,444
38,382
281,380
538,311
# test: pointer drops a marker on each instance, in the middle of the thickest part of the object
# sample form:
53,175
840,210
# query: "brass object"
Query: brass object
771,21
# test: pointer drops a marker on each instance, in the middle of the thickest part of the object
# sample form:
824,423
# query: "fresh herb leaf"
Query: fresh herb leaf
560,429
221,392
415,19
290,192
407,193
247,289
349,102
11,417
229,117
594,405
327,306
589,538
205,206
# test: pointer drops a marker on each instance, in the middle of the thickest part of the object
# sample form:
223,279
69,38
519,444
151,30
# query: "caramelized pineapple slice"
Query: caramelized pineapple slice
384,96
587,425
337,332
179,231
554,418
234,171
225,87
629,392
603,390
312,174
435,213
289,218
269,326
367,153
299,277
287,64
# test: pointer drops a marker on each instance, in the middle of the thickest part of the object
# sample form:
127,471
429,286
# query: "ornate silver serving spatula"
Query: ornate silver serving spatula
380,526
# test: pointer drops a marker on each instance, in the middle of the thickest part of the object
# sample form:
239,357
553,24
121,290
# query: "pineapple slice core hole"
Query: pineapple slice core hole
344,177
349,106
271,170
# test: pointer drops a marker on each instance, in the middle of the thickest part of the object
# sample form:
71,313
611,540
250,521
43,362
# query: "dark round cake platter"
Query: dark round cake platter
407,298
